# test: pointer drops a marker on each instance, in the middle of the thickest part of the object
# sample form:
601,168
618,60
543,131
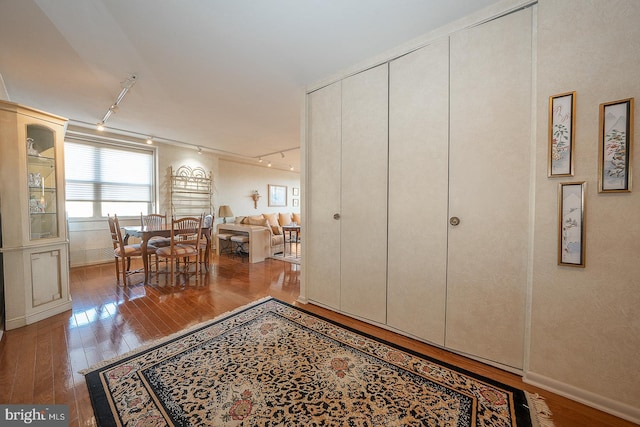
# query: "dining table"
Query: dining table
145,234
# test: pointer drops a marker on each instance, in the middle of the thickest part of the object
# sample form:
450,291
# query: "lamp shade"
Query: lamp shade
224,211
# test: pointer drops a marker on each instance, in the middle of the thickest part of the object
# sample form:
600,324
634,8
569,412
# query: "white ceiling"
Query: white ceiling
228,75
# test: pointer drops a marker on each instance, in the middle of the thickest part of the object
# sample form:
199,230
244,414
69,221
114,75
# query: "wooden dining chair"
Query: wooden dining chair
122,253
154,221
186,234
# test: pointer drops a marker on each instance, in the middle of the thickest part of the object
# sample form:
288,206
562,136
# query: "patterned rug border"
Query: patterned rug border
528,406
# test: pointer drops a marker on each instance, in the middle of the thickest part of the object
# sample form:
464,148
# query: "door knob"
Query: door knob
336,216
454,220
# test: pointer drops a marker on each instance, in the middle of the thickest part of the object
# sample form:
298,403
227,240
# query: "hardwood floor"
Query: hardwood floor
39,363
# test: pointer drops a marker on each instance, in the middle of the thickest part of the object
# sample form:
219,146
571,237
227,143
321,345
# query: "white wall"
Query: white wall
585,323
238,180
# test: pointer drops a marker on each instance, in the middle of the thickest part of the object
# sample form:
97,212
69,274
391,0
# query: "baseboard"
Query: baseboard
610,406
15,323
51,310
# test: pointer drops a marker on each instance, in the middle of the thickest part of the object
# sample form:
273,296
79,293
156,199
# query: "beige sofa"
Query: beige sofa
273,222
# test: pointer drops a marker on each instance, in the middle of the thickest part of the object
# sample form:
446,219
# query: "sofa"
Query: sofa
273,223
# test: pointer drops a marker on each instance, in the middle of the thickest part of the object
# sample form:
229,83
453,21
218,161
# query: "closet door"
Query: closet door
490,152
363,231
322,231
418,191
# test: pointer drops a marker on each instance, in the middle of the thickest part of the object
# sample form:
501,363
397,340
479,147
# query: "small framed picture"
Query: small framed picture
571,224
562,120
615,146
296,203
296,191
277,195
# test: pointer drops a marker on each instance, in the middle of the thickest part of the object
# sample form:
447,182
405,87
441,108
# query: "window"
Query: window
106,179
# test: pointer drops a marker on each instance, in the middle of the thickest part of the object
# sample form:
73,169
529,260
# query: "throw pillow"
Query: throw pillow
284,219
258,221
272,217
296,218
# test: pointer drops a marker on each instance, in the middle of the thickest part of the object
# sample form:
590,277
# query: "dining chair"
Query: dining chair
122,253
205,243
186,234
154,221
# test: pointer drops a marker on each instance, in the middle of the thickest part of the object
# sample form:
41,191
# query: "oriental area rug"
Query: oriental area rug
272,364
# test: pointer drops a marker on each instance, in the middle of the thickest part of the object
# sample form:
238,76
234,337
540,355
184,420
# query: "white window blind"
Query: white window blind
104,178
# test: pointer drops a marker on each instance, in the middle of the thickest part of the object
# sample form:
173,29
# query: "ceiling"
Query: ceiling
226,75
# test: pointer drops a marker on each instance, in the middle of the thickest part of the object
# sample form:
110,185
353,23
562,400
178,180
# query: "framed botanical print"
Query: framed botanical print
615,146
571,224
562,120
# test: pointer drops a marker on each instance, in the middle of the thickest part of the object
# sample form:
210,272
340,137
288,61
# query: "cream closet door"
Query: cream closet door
322,232
363,230
489,180
418,191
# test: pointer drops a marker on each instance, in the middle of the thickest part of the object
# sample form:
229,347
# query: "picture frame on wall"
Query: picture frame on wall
277,195
296,203
295,191
562,121
571,224
615,146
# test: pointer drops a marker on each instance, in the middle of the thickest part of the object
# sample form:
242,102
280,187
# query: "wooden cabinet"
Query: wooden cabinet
348,194
459,145
34,241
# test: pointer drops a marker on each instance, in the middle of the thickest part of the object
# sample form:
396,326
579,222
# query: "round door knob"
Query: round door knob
336,216
454,220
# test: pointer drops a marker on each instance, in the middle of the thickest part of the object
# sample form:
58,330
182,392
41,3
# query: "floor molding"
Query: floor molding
602,403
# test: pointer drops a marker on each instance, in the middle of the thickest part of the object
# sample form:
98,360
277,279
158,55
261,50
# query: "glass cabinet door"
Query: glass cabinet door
41,181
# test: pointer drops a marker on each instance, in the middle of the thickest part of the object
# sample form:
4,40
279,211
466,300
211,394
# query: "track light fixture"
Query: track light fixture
259,159
199,150
150,140
126,85
282,154
269,164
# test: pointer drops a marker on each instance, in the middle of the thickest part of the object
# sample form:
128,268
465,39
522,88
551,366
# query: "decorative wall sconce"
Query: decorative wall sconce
255,196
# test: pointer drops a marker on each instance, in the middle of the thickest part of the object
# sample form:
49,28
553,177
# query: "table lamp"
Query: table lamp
223,212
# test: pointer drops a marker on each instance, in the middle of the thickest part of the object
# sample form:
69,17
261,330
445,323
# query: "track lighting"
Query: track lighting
282,154
199,150
290,167
269,164
150,140
126,85
259,159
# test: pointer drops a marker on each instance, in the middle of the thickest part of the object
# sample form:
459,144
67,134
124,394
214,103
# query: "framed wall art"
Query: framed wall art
571,224
296,203
277,195
296,191
562,120
615,146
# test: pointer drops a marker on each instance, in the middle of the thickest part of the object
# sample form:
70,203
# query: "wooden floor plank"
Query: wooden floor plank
39,363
